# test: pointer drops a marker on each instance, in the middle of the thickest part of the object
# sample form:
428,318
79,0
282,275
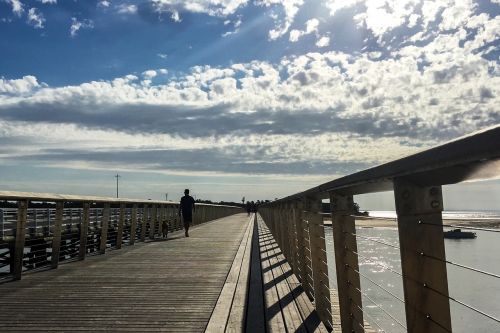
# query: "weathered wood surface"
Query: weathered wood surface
168,285
229,312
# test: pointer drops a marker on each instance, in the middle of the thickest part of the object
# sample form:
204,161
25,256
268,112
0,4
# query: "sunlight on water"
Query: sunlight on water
379,262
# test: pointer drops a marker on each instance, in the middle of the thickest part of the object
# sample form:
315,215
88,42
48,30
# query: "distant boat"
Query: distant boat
459,234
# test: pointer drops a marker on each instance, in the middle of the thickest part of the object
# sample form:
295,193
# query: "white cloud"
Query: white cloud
412,20
35,18
488,31
430,9
225,8
311,27
323,41
19,86
162,55
104,3
17,7
77,25
149,74
126,9
175,16
50,2
336,5
383,16
457,14
210,7
290,9
236,24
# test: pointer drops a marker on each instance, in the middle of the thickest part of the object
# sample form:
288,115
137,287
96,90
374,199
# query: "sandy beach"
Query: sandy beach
380,222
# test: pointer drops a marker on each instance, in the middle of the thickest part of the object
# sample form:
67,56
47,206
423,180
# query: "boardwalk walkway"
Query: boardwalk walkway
168,285
228,276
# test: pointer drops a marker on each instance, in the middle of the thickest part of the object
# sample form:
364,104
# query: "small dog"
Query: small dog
164,229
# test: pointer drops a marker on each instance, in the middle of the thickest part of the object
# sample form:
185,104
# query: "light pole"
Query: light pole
117,177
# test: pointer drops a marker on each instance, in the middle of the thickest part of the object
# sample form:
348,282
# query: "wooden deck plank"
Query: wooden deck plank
223,307
159,286
237,317
255,308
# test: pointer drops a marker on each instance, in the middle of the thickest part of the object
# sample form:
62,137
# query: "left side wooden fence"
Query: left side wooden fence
39,231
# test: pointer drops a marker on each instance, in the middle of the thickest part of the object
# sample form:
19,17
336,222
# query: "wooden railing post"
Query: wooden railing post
203,214
425,281
152,224
84,230
56,236
171,217
291,237
121,222
133,224
301,247
308,282
285,245
319,261
144,222
104,228
22,216
346,262
195,215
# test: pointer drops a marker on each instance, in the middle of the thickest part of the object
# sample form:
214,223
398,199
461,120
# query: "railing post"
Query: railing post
2,223
346,262
308,282
292,240
84,230
104,228
284,231
56,236
133,224
152,229
319,262
121,222
22,215
144,222
425,281
301,248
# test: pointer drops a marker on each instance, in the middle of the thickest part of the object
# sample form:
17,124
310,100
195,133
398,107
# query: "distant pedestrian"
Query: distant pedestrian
249,208
186,208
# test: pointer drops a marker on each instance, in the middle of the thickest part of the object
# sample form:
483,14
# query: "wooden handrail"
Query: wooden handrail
52,197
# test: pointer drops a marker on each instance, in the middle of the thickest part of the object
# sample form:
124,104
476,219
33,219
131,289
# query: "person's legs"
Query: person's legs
186,227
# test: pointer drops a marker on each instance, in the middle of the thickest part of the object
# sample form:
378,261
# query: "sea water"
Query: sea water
472,288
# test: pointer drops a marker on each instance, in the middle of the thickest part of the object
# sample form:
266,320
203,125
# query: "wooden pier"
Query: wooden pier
222,278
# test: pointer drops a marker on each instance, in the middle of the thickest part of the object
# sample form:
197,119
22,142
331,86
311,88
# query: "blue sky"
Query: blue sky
255,98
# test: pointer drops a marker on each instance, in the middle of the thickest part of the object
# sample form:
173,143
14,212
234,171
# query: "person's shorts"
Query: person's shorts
187,220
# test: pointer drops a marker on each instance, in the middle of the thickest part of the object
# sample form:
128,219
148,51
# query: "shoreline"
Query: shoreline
380,222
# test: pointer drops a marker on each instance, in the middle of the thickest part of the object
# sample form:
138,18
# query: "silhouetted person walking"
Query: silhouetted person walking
186,208
249,208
